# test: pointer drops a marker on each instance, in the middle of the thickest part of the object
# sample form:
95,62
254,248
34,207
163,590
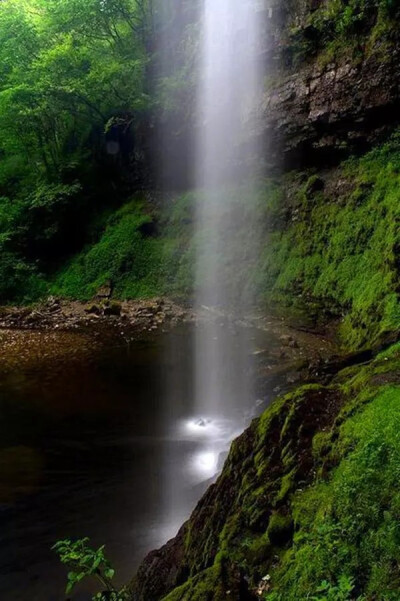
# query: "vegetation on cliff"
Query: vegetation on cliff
333,28
329,248
337,252
306,506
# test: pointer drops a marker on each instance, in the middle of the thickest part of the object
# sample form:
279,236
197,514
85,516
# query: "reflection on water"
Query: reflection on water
205,463
86,449
213,436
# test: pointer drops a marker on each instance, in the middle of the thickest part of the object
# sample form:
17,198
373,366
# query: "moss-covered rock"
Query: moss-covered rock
244,518
280,528
309,496
336,254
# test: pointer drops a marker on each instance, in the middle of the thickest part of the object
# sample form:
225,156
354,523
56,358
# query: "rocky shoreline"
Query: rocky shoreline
57,324
135,316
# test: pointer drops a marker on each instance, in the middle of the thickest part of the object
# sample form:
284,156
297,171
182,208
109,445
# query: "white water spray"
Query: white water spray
229,89
230,78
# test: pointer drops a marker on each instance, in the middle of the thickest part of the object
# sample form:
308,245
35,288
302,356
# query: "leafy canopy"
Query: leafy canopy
69,69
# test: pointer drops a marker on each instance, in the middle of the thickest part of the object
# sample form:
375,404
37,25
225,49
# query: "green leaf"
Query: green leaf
109,573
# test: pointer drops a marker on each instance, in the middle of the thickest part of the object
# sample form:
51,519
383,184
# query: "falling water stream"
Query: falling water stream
229,79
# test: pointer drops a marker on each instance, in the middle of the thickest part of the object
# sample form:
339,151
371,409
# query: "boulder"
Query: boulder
113,309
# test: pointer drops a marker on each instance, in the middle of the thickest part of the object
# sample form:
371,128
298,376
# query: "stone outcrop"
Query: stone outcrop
320,106
317,108
324,113
270,459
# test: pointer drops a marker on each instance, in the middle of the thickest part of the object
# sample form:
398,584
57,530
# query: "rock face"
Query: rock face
327,94
318,107
322,114
269,460
162,570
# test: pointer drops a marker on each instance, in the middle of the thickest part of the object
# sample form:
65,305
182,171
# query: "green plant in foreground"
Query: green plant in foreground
83,562
329,592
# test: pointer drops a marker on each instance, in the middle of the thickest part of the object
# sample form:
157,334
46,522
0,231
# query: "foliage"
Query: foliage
68,68
349,525
84,562
346,524
337,27
123,254
19,280
328,592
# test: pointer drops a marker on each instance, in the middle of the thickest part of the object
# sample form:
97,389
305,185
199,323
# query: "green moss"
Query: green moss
280,528
338,254
256,551
347,525
393,352
321,444
337,533
122,255
266,419
20,281
287,486
337,28
205,587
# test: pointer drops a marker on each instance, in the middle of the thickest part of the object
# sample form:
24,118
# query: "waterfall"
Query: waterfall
228,90
226,240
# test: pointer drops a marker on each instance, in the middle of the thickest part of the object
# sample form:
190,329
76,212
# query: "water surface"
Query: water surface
93,445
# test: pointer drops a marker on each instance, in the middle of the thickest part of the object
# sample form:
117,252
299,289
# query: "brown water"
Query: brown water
95,447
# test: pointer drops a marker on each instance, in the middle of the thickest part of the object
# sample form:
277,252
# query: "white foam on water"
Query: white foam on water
205,428
204,464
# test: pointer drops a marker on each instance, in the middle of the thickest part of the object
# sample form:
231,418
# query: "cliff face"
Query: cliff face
326,112
249,500
280,521
331,87
295,505
331,91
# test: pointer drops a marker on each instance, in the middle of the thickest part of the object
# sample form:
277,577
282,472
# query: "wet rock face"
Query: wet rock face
313,112
322,114
317,110
162,570
270,460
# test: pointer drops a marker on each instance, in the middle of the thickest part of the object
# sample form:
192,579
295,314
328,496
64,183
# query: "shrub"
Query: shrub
84,562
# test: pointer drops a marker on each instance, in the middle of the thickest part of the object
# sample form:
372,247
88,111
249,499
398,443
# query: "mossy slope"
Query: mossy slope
336,255
309,497
330,246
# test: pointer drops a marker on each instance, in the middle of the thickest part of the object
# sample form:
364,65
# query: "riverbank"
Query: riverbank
58,328
53,314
